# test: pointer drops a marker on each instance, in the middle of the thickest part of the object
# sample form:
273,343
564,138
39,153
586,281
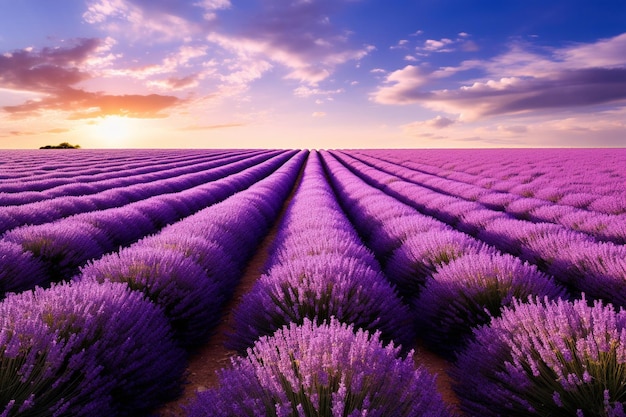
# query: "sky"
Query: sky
312,74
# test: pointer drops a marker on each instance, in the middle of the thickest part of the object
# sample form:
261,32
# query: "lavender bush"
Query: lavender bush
220,265
85,349
61,246
546,358
469,291
422,254
317,288
189,298
327,370
19,270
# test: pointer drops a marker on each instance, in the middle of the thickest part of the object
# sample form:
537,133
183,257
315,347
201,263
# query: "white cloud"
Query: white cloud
442,45
305,92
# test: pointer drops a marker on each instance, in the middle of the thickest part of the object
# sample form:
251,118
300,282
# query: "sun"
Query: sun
115,131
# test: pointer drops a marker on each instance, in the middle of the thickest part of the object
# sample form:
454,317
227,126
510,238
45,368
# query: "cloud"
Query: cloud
46,70
54,73
86,105
211,127
425,126
442,45
159,20
519,81
298,36
319,114
305,92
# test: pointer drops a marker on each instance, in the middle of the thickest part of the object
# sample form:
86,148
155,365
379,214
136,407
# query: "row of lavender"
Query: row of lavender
321,331
575,259
89,192
49,252
114,340
521,345
584,178
582,208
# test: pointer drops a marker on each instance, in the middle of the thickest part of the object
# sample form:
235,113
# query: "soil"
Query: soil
204,363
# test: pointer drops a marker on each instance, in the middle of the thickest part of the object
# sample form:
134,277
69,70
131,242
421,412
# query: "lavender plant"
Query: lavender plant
85,349
422,254
546,358
220,265
61,246
323,371
190,299
317,288
469,291
19,270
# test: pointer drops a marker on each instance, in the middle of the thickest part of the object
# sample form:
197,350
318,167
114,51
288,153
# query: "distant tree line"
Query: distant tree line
62,145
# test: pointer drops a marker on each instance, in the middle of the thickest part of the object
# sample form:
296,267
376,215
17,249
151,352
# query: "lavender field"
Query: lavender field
117,266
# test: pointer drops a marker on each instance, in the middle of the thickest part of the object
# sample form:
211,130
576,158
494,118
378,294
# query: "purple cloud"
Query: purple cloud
48,69
298,35
518,82
55,71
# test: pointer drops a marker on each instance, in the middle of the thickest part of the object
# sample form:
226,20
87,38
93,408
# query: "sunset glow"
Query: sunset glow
312,74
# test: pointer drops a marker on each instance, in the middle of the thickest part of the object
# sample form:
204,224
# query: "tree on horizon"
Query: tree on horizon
62,145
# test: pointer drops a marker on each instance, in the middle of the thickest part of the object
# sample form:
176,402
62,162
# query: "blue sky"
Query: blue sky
312,73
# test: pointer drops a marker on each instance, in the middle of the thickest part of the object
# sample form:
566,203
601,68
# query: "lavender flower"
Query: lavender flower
320,242
546,358
523,207
85,349
19,270
122,225
422,254
219,265
189,298
327,370
62,246
469,291
318,288
609,204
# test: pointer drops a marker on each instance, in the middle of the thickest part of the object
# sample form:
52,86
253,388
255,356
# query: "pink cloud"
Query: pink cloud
54,72
161,20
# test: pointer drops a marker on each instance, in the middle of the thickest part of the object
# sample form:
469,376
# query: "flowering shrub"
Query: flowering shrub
189,298
62,246
85,349
422,254
327,370
317,288
19,270
546,358
219,264
470,290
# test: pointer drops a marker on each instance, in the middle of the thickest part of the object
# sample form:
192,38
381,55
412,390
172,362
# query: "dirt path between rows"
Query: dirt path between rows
204,363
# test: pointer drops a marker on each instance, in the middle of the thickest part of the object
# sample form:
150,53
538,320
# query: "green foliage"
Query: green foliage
62,145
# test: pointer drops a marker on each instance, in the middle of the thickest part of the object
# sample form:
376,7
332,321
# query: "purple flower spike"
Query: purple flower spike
546,358
219,264
327,370
469,291
318,288
85,349
19,270
62,246
190,299
422,254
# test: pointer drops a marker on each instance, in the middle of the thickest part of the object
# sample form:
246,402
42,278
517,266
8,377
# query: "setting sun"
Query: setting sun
115,131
